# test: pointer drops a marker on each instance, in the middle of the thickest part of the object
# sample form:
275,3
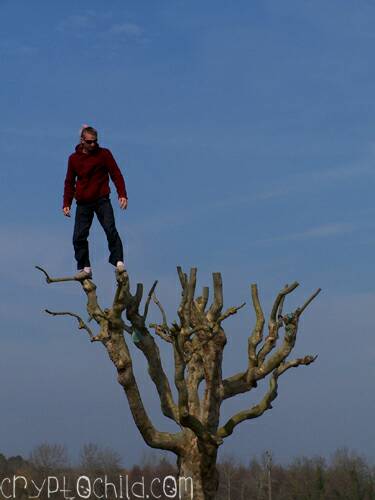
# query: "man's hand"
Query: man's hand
66,211
123,202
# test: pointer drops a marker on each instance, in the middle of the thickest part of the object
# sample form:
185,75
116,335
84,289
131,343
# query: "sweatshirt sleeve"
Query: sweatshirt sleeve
69,185
116,175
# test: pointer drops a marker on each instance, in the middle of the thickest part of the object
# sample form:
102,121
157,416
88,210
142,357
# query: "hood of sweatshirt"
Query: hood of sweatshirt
79,149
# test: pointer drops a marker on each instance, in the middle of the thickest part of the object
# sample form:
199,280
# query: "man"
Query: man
87,180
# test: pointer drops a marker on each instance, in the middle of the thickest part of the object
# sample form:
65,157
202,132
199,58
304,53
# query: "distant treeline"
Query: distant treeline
346,475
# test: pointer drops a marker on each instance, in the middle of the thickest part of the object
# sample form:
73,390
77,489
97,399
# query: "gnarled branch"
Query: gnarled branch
150,294
230,312
261,364
253,412
54,280
147,344
266,402
81,324
119,354
274,323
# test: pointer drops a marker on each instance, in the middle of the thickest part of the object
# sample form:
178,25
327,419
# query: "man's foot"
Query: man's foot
83,274
120,266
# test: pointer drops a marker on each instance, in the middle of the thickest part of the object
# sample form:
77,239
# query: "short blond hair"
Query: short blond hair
89,130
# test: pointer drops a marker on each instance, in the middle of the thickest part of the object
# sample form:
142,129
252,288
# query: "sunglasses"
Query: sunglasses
90,142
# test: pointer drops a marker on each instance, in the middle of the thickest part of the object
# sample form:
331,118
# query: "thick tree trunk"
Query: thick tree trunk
199,464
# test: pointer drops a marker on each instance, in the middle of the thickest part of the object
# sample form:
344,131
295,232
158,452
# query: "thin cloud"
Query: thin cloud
323,231
342,173
14,49
81,24
267,194
130,30
299,183
77,22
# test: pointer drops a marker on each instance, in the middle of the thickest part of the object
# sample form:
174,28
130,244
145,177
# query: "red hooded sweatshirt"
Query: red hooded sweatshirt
87,177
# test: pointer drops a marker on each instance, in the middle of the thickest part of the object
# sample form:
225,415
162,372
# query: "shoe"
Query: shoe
83,275
120,267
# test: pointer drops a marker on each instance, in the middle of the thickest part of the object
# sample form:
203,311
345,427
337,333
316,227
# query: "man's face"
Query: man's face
89,141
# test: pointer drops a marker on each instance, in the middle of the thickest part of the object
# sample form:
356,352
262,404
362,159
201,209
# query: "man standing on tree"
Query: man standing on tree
87,180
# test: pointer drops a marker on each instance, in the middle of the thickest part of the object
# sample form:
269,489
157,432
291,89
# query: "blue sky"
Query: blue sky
245,134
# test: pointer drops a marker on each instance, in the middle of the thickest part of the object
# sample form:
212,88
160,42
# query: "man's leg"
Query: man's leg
104,212
83,221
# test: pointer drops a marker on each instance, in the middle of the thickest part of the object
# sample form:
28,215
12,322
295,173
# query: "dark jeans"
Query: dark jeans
84,216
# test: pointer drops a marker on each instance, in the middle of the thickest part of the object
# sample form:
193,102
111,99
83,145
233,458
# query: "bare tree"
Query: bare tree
95,458
197,341
229,472
49,457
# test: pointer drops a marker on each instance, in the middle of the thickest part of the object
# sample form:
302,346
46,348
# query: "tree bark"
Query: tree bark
197,462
